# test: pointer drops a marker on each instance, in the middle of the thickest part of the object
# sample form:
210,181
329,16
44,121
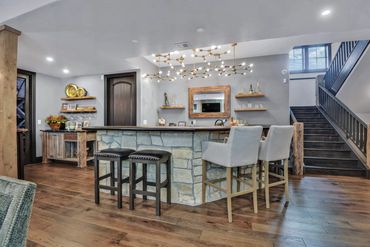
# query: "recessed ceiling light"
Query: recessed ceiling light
49,59
66,71
135,41
200,30
326,12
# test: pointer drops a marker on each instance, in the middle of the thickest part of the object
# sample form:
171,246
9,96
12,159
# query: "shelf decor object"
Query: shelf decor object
56,121
250,109
73,91
249,95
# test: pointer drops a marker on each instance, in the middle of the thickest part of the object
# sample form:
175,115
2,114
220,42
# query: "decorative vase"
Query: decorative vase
55,126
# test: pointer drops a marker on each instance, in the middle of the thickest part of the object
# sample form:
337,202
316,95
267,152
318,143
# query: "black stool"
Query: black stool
115,156
145,157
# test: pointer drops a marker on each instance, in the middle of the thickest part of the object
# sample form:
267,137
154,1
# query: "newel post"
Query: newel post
298,148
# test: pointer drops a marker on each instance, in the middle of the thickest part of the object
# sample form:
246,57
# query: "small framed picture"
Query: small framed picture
181,124
65,106
72,107
86,124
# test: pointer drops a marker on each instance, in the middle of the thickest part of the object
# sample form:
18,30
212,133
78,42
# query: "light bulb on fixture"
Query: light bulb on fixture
160,72
251,65
243,63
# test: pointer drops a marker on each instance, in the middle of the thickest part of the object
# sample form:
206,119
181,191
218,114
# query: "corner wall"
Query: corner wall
49,90
355,92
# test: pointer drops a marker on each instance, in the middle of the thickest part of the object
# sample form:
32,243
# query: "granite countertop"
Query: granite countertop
161,128
64,131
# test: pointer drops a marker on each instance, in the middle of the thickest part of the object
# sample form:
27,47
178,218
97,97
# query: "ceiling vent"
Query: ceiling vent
182,45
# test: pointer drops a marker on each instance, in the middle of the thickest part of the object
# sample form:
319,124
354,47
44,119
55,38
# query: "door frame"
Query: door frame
31,91
107,95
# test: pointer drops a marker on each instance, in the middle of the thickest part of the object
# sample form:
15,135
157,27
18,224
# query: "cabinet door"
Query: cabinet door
55,146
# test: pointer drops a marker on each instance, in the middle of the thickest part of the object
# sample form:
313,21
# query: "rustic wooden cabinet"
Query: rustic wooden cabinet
76,146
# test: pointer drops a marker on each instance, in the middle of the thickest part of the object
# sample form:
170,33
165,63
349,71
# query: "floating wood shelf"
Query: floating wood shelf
249,95
78,111
79,98
179,107
250,109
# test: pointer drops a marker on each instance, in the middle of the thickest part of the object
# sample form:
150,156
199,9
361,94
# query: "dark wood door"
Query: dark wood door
121,100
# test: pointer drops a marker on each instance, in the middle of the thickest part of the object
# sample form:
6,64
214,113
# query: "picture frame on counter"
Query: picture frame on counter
181,124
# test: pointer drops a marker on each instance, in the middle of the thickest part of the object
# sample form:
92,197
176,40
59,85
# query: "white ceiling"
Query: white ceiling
95,36
13,8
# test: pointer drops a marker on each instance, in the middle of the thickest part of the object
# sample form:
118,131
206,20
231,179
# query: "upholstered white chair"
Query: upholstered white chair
241,149
276,147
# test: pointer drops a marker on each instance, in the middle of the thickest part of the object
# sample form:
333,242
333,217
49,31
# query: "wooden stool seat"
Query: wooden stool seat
115,156
156,157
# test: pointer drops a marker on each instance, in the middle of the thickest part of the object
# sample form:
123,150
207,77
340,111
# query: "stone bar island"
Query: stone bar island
185,144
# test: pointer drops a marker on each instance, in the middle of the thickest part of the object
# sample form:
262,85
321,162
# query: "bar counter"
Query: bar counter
185,144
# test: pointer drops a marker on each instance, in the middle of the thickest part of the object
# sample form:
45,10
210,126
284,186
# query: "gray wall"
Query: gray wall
48,92
355,92
94,84
267,70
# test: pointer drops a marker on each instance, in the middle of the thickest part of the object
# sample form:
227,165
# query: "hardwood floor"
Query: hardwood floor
323,211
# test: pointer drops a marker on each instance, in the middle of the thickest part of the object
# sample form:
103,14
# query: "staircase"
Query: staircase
325,152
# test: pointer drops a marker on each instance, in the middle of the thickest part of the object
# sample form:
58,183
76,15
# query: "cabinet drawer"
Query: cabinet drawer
70,136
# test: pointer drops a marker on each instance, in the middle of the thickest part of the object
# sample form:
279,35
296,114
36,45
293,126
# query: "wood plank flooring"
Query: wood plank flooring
323,211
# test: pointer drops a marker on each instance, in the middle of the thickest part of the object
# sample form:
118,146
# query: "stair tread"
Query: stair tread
321,134
329,158
327,142
335,168
326,149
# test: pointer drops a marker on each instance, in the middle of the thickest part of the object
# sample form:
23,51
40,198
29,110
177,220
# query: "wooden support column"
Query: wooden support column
8,101
298,149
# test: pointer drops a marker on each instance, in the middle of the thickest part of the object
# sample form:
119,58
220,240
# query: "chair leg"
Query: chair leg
267,184
286,181
260,170
119,182
238,171
254,183
132,181
158,189
204,179
168,170
112,176
97,196
229,182
145,180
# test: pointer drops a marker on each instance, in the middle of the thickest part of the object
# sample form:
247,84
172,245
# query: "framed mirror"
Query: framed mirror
209,102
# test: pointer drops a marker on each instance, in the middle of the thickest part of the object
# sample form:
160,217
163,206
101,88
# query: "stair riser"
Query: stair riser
326,153
320,131
317,125
309,120
321,138
331,163
308,170
307,115
340,146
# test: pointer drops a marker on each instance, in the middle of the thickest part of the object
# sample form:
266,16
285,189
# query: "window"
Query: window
308,59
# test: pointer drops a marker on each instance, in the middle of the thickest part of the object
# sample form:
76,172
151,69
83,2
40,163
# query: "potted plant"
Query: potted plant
56,122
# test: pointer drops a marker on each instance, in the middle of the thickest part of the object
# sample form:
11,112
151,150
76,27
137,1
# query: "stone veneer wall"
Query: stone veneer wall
186,149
